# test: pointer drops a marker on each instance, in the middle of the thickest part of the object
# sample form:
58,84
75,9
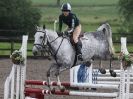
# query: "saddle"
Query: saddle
81,34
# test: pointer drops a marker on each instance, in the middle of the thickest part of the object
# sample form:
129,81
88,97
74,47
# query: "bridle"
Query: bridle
44,46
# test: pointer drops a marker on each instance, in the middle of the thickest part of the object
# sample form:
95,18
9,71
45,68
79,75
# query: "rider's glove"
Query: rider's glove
60,34
67,33
71,30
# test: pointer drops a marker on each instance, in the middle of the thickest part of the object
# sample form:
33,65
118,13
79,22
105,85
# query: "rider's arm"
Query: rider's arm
72,26
73,21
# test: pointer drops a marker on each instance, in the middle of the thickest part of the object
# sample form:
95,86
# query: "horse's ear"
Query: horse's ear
36,27
44,27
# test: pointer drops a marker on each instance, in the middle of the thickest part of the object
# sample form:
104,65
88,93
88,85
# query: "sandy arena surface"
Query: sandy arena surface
36,70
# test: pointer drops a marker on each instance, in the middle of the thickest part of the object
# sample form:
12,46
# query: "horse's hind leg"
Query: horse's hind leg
112,73
87,63
101,69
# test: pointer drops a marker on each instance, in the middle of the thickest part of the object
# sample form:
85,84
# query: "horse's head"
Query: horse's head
40,41
42,37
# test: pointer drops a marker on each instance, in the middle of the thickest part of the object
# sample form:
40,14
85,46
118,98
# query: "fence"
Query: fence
13,40
116,37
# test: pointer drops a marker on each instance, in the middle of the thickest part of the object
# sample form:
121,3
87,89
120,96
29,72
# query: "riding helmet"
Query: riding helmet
66,7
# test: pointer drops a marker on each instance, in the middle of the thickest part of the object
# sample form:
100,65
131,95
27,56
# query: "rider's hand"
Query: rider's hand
67,33
60,34
70,31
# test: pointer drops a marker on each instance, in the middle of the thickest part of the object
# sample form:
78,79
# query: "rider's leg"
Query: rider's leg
78,47
78,44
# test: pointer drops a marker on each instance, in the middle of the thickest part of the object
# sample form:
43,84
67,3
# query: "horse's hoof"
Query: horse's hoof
112,73
88,64
53,91
62,88
49,58
102,71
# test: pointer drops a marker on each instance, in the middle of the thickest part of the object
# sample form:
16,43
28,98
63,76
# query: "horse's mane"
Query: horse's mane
52,32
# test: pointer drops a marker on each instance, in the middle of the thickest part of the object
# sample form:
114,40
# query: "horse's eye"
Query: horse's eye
41,37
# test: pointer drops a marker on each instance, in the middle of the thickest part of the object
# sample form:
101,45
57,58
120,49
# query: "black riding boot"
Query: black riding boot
78,47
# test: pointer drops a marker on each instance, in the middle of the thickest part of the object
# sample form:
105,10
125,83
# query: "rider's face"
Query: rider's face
65,13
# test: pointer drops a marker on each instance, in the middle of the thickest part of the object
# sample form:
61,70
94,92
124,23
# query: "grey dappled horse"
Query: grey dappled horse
94,45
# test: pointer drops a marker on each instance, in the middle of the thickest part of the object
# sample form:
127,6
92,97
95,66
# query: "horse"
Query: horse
96,44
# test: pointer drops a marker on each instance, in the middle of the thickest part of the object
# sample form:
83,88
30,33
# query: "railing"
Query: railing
116,37
11,47
13,40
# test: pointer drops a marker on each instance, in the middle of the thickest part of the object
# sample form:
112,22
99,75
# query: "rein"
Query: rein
54,40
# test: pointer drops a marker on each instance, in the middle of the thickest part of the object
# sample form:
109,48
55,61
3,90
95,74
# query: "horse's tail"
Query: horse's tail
107,30
109,38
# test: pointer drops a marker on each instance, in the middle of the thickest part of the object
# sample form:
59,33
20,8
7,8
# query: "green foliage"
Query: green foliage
126,10
17,57
17,15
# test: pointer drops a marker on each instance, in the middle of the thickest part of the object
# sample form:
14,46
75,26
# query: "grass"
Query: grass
117,47
89,20
17,46
90,12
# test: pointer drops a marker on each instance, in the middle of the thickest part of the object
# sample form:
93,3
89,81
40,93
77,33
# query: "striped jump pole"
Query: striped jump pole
77,85
38,82
70,93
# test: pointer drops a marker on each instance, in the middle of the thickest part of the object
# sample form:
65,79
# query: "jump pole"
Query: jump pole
71,93
77,85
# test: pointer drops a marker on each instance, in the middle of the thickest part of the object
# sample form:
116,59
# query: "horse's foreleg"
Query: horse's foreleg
112,73
48,79
62,88
101,69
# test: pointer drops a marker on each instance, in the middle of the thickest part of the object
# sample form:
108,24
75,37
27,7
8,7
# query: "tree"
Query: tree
18,15
126,11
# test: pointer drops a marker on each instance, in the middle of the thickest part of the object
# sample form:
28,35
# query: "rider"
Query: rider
74,27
